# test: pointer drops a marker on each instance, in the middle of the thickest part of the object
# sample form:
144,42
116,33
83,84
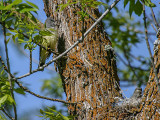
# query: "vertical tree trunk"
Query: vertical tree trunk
89,73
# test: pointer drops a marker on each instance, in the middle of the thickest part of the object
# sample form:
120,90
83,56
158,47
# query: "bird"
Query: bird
49,40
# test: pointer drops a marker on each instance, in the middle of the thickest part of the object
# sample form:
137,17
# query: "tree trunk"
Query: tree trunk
89,72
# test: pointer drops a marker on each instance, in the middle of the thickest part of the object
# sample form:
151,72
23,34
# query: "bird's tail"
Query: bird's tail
43,56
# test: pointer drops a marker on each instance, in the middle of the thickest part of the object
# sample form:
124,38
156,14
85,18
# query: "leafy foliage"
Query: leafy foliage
53,115
5,94
136,6
18,18
85,5
126,34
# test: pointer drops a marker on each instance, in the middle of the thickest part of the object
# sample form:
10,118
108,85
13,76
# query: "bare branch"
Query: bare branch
148,46
27,90
154,28
154,18
28,56
30,65
130,65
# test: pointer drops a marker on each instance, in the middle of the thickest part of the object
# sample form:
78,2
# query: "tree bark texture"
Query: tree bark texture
89,73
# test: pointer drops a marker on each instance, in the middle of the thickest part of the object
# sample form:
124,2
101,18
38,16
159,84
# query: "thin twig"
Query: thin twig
154,28
3,110
28,56
148,46
27,90
30,65
8,65
154,18
75,44
130,65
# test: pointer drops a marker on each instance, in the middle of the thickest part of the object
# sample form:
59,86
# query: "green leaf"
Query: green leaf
2,72
8,34
8,40
8,7
138,8
131,7
41,111
27,10
3,99
2,7
21,41
15,31
25,46
45,33
37,38
10,99
16,2
64,117
4,87
125,3
13,38
149,3
20,91
32,4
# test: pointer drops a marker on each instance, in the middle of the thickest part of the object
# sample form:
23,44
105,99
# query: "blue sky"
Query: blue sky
20,64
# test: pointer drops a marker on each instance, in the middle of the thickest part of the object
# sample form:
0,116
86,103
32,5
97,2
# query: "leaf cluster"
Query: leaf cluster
84,6
136,6
52,114
5,94
18,18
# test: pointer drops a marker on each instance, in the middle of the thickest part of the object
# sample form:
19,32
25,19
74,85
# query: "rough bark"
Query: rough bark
89,73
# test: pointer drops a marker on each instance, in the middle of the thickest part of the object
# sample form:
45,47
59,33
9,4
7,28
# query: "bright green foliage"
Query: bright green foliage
136,6
47,32
148,3
19,91
18,18
5,93
52,114
85,6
